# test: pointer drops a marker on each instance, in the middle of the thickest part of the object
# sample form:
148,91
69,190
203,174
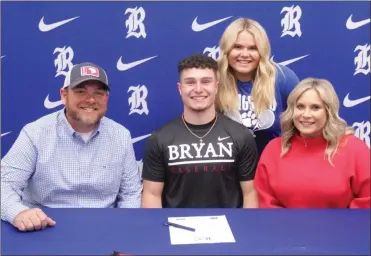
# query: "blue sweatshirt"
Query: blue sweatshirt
267,126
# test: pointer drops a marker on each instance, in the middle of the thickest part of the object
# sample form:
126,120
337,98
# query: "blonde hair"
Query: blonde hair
335,127
263,91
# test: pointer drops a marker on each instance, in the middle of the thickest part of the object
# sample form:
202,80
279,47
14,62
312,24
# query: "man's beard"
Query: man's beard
83,119
87,120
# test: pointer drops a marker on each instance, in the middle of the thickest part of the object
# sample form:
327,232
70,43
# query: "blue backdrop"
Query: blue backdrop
140,43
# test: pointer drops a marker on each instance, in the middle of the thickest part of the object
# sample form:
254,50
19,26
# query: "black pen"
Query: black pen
179,226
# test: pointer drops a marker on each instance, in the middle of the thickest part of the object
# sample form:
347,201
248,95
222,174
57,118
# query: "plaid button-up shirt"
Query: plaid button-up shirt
50,165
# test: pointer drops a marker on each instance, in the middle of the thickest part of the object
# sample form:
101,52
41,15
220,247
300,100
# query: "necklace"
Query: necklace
216,118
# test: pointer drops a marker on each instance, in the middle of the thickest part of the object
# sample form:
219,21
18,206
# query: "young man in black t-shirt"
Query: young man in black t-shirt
202,158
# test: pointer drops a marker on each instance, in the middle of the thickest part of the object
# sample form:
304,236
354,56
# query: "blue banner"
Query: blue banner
140,43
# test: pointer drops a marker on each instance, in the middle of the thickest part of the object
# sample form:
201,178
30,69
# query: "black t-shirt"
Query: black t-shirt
201,175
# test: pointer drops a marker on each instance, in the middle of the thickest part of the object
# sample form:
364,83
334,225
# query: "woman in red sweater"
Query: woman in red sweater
317,162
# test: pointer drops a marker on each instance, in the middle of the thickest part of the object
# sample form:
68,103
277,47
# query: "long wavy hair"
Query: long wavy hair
335,127
263,91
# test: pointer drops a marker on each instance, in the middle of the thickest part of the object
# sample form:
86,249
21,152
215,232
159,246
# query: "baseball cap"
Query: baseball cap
83,72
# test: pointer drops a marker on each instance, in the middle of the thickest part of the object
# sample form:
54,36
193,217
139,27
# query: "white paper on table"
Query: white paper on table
209,230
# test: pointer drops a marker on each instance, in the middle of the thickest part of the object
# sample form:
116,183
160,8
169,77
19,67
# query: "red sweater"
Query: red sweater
304,178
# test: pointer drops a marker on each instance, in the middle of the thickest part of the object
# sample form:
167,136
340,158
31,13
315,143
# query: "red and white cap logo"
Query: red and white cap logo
89,71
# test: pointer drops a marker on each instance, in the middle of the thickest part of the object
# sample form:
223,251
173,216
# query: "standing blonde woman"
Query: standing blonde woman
318,162
253,89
